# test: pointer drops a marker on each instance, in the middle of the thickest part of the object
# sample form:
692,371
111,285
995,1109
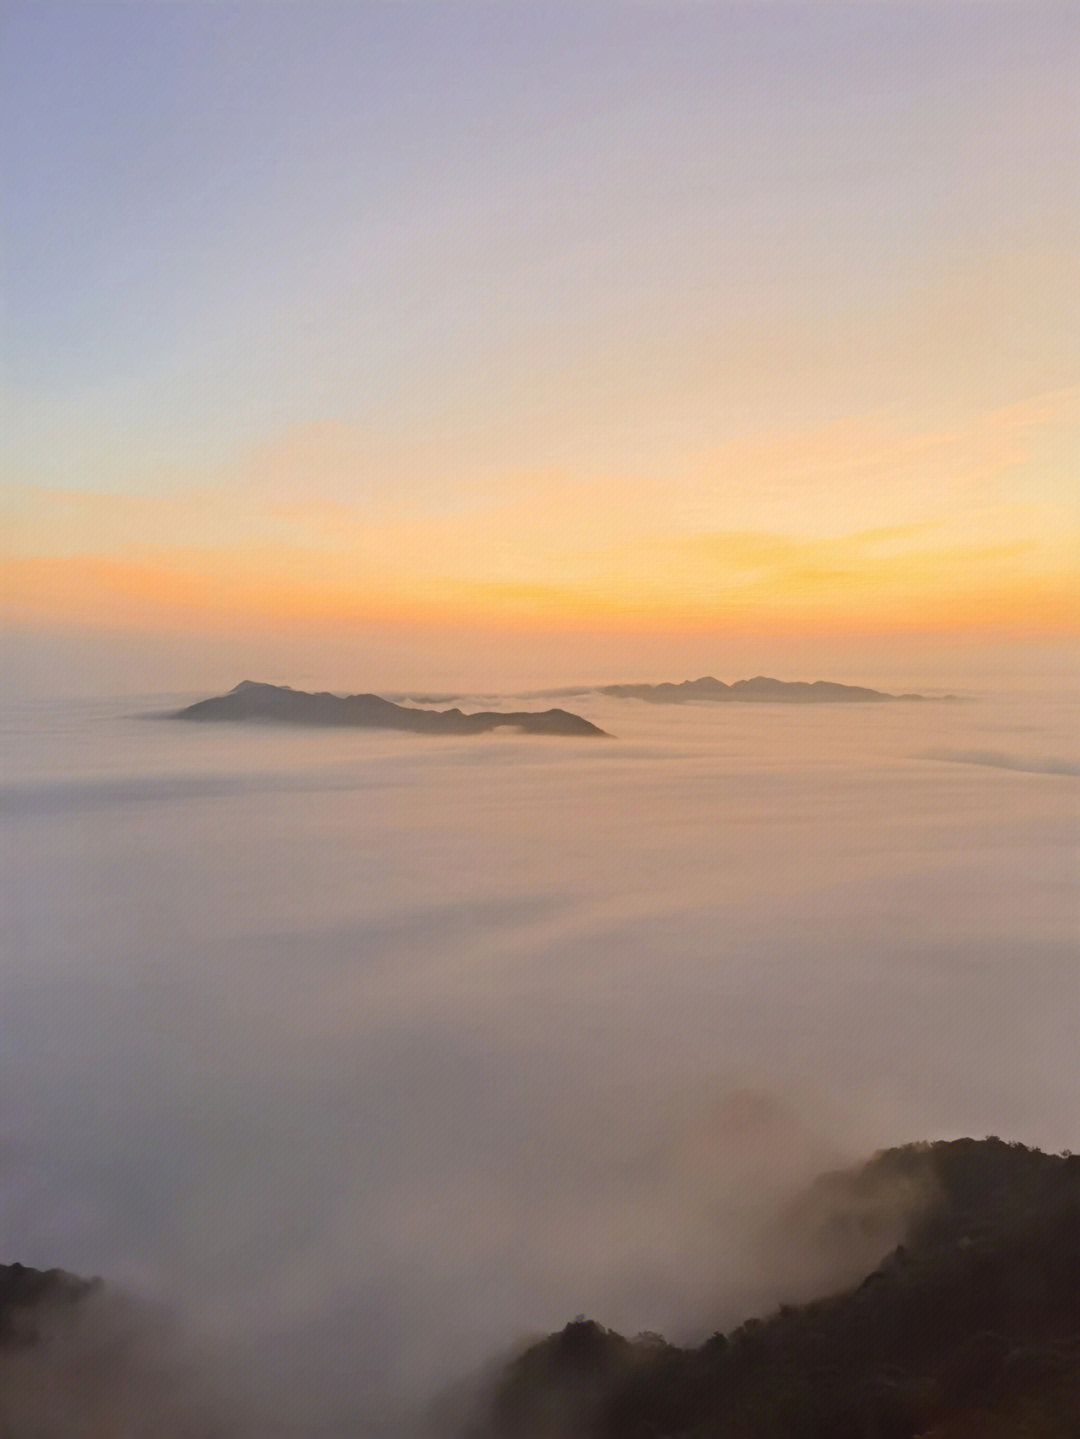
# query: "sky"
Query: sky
572,340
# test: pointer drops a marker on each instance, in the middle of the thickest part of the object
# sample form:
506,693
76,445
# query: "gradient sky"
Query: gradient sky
665,324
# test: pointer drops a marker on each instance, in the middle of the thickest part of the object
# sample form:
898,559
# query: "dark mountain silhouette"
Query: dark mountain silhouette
30,1297
969,1330
277,703
759,690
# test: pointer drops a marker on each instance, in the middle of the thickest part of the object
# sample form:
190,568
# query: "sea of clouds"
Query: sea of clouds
351,1060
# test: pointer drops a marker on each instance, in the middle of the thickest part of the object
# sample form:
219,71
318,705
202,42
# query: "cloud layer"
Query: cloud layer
368,1054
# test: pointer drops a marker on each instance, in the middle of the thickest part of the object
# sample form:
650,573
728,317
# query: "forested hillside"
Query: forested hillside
969,1330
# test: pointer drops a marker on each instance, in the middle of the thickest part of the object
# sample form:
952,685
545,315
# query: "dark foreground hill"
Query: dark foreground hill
969,1330
281,705
760,690
29,1298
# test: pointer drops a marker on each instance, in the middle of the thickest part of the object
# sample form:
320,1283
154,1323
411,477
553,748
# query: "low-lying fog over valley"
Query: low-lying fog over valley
359,1057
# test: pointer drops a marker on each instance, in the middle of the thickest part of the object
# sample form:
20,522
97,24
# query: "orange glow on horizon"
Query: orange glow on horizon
91,591
856,527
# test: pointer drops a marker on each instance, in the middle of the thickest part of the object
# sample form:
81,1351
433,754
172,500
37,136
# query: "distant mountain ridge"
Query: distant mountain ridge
760,689
279,704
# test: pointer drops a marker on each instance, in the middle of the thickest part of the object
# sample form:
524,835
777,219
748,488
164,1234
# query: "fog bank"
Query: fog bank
361,1053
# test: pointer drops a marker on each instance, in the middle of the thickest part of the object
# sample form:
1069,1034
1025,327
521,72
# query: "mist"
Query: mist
358,1058
87,662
